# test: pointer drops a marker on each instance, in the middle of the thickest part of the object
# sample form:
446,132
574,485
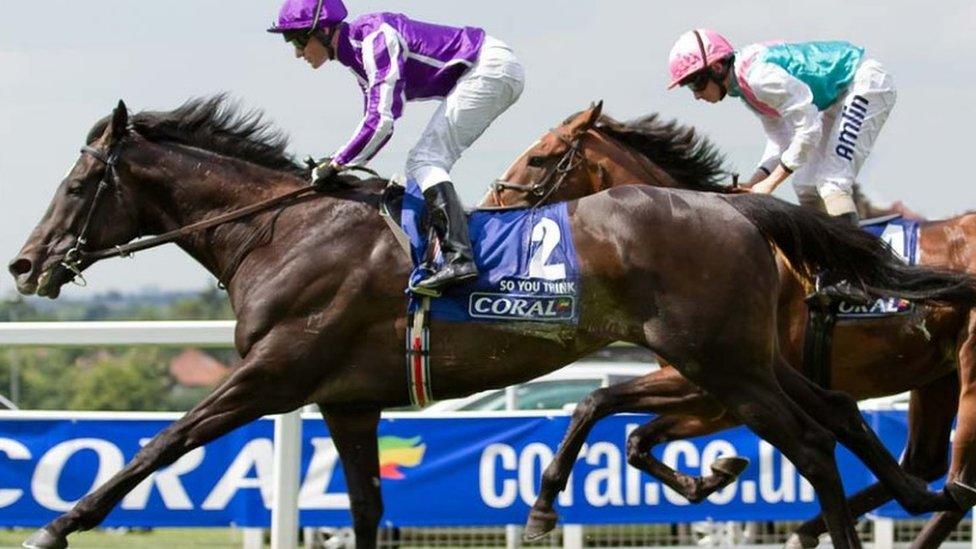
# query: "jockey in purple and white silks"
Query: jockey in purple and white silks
395,60
822,105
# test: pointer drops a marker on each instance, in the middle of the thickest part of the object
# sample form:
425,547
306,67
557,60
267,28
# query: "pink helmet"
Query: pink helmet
696,50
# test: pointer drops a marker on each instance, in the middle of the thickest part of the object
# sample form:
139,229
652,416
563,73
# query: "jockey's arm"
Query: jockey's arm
778,134
793,100
768,183
384,98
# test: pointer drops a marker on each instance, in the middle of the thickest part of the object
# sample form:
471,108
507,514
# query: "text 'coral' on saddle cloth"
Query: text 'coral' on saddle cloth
527,263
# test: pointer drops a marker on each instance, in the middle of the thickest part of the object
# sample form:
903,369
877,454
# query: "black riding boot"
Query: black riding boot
851,218
451,225
842,290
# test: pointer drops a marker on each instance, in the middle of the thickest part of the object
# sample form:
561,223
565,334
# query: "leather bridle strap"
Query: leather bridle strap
563,168
176,234
77,253
103,186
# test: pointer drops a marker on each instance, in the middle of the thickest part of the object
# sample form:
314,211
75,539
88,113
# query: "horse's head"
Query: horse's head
87,212
590,152
556,167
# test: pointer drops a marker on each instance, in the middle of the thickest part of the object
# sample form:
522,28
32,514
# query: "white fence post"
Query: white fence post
287,461
253,538
972,530
572,536
884,533
513,536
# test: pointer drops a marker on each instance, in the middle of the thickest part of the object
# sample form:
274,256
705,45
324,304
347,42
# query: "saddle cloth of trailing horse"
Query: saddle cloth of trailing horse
526,258
902,236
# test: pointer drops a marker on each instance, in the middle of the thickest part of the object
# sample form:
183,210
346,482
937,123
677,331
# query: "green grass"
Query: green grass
157,538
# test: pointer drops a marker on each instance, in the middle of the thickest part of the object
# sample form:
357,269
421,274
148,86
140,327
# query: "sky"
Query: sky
65,63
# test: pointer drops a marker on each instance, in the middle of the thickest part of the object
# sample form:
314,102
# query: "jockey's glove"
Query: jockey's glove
325,176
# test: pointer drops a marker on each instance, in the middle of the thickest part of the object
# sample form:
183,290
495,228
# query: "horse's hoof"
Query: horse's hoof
729,467
44,539
801,541
539,524
963,495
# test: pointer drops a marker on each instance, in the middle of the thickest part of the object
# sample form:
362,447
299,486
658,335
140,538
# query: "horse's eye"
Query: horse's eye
537,161
75,188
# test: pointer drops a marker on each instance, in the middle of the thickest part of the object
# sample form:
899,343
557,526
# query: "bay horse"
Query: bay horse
934,356
321,313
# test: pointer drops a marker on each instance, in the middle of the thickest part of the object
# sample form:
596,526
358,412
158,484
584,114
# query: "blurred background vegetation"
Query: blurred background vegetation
112,378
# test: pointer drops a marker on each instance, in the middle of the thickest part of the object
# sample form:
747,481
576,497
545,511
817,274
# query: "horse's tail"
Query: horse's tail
815,242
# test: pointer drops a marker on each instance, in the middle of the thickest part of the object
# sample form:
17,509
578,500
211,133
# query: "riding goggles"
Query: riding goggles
298,38
698,81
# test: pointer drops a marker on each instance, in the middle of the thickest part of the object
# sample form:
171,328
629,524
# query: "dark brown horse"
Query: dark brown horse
321,313
930,355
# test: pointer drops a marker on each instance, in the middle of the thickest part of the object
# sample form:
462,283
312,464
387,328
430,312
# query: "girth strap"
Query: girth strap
818,338
418,355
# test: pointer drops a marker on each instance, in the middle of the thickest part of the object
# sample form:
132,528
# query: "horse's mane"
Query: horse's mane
217,125
691,159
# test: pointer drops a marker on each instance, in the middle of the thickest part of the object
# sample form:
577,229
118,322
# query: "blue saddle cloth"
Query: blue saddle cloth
902,236
527,262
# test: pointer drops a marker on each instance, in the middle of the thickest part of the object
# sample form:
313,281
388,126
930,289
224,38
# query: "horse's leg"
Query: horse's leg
838,412
354,433
931,410
962,476
759,402
667,428
255,389
664,391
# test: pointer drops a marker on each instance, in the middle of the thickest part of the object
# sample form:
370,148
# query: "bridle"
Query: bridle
554,177
76,254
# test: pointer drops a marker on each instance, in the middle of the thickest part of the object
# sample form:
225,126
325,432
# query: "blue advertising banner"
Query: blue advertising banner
436,471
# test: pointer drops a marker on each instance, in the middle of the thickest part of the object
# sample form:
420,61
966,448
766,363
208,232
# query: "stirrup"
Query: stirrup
423,292
453,281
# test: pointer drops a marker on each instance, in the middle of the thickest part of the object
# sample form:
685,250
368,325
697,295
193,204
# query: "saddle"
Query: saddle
529,273
839,300
526,256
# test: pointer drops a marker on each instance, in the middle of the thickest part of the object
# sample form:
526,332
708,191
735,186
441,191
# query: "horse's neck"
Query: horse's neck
629,167
181,188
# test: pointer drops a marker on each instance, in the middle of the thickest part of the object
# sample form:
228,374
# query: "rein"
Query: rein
570,160
77,253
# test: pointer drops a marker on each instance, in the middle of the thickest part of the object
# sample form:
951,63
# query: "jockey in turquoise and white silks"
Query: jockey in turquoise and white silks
395,60
821,104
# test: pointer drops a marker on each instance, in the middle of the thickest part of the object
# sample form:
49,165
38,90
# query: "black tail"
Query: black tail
815,242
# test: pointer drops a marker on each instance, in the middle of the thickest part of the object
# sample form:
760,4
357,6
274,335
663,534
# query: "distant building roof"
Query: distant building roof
195,368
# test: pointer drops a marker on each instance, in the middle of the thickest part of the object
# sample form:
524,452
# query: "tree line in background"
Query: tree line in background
106,378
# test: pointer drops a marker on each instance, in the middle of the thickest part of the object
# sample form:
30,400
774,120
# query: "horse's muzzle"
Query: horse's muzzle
22,269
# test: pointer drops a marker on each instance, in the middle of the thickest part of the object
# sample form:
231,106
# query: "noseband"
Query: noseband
554,177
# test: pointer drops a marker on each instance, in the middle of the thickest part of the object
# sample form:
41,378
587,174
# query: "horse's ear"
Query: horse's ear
120,119
588,118
596,110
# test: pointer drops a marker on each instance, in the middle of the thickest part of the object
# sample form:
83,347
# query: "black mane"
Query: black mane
217,125
691,159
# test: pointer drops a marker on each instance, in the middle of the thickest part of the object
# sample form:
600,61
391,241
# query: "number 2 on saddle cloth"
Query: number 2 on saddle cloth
526,258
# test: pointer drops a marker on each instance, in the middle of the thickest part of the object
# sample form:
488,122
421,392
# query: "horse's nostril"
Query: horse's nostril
21,266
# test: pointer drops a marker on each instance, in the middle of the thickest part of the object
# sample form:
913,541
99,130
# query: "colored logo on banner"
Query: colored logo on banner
396,452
